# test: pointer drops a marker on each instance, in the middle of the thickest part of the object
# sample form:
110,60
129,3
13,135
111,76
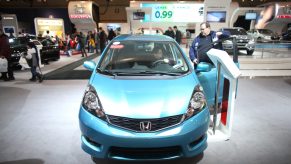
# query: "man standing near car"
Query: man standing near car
206,40
178,35
5,52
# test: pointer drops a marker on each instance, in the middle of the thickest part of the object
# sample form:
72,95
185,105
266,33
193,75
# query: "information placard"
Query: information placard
175,12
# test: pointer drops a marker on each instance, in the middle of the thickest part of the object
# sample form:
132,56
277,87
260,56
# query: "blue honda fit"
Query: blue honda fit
144,101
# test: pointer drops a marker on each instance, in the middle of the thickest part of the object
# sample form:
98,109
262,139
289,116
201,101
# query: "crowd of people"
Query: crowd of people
174,33
95,42
92,42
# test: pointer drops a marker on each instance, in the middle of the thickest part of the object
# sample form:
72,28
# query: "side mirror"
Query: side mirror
204,67
89,65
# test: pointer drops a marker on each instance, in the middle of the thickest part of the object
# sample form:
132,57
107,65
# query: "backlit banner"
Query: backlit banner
80,13
55,26
175,12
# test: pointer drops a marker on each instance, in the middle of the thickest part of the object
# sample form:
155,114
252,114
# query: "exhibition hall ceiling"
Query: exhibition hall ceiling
64,3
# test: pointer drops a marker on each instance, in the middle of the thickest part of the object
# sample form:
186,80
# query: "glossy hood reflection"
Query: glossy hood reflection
144,98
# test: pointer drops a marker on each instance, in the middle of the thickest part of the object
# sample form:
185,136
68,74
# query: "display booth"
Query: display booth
228,70
156,17
274,16
84,14
9,24
217,13
55,27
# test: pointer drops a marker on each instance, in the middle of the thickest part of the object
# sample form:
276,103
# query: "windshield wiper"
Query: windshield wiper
138,73
106,72
160,73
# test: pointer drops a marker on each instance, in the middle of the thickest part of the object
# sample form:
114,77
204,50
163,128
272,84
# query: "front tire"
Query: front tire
250,52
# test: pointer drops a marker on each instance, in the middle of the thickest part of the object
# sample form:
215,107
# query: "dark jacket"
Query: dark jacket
170,33
196,43
5,47
178,36
111,35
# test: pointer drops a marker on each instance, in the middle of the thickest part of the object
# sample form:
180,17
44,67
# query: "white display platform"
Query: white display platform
231,72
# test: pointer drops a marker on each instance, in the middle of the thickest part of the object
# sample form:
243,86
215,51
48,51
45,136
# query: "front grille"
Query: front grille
242,41
145,153
135,124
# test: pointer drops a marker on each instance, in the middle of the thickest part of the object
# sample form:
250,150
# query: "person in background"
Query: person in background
5,52
80,39
57,40
87,39
32,59
178,35
97,41
48,34
68,48
169,32
111,34
188,37
157,32
91,43
142,31
205,41
103,39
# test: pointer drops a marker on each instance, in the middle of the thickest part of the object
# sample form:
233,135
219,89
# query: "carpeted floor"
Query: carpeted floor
68,73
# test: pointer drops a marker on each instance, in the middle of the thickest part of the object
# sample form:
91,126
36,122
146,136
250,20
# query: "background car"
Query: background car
50,51
144,100
244,41
263,35
17,46
286,36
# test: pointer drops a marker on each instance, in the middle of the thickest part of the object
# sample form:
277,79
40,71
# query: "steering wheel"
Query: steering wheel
157,62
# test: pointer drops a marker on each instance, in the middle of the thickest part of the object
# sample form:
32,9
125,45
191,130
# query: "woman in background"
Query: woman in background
33,61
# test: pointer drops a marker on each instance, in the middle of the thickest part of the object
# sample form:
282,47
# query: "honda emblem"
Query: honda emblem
145,126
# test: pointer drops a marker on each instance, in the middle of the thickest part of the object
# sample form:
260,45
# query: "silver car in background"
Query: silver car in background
244,41
263,35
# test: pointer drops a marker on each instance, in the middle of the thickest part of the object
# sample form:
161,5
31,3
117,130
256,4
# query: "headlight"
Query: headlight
228,42
92,103
252,41
15,55
197,102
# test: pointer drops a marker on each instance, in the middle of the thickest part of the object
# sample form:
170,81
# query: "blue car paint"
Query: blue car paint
208,81
138,98
119,103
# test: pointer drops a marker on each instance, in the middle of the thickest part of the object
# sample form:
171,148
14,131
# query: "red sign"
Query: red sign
80,16
117,46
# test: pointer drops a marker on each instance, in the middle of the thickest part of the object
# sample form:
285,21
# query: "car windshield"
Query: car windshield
236,31
16,42
143,58
265,31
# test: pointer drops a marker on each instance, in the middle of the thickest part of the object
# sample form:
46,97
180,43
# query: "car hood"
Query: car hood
152,98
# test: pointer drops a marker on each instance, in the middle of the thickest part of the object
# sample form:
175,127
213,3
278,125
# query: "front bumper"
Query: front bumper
102,140
240,46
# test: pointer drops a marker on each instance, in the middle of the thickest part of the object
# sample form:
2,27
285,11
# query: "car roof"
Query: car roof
147,37
232,28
